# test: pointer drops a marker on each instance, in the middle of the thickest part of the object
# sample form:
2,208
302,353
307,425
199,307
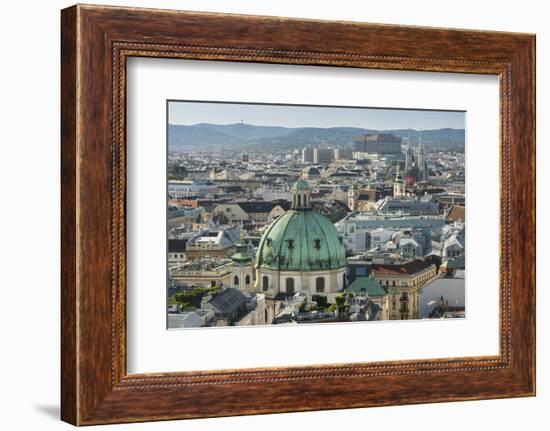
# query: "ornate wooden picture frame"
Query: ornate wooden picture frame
96,42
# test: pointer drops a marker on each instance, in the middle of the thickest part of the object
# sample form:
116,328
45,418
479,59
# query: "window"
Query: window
236,281
290,286
265,283
368,241
320,284
290,243
393,283
299,201
269,242
247,279
318,244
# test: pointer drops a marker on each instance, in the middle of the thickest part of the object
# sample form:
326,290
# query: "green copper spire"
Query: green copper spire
241,254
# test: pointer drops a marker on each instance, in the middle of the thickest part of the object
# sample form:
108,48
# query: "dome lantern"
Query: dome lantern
301,195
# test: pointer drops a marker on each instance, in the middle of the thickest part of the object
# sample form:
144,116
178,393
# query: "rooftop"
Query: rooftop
176,245
457,213
228,300
262,206
368,285
408,268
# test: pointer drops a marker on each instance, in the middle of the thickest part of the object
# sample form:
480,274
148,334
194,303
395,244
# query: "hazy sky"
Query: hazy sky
189,113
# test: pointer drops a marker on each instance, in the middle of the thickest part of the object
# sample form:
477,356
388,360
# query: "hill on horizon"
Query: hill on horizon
243,136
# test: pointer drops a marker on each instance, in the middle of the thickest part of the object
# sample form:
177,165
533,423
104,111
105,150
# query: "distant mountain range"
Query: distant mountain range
242,136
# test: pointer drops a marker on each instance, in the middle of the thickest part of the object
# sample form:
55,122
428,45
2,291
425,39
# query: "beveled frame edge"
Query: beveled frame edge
96,41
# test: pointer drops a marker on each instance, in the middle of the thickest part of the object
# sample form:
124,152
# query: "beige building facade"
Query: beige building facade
403,283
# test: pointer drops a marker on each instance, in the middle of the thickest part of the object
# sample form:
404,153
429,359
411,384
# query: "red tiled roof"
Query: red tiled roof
457,213
408,268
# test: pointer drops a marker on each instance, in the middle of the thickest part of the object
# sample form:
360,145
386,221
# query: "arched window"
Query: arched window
236,281
265,283
247,279
393,283
290,286
265,316
299,201
320,284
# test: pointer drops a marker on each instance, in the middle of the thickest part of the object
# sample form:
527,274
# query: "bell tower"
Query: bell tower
242,273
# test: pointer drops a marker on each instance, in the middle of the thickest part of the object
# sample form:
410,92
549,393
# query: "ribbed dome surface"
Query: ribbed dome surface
301,241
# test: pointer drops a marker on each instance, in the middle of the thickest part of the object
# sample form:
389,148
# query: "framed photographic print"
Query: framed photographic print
259,208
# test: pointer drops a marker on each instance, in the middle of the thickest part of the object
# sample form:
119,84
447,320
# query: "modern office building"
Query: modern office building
307,155
378,143
322,155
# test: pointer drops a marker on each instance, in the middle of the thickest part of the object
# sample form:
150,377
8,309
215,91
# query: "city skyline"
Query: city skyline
281,226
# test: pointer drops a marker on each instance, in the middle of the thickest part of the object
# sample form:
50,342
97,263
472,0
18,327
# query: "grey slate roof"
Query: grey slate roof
228,301
184,320
408,206
176,245
261,206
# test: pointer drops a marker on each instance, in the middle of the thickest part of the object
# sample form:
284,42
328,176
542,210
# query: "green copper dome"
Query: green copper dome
367,285
301,241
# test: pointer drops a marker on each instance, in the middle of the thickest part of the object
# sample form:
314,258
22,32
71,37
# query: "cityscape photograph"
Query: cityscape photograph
297,214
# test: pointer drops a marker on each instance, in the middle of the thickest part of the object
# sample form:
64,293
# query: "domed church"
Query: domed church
301,251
